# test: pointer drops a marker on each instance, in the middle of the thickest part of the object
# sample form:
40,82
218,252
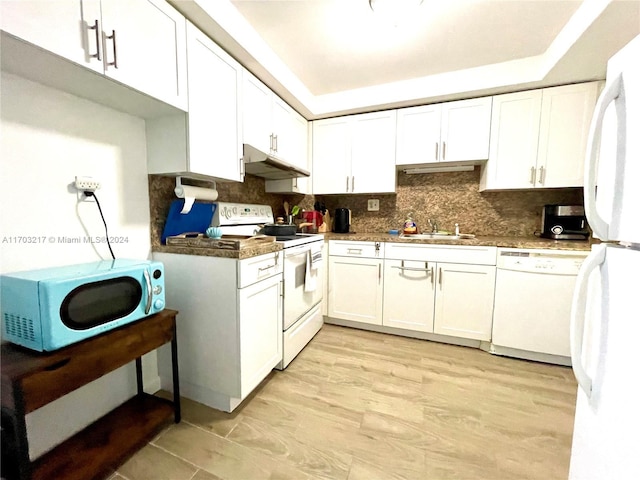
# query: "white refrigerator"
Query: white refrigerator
605,324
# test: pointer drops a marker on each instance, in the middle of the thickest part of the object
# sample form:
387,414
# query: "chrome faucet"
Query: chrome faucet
434,225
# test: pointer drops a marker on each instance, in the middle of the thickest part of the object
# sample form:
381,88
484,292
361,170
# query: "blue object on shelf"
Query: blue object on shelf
394,232
197,220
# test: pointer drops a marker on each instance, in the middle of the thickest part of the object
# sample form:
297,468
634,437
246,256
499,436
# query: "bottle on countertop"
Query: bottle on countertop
410,226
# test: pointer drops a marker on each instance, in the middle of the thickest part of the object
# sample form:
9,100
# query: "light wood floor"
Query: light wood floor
360,405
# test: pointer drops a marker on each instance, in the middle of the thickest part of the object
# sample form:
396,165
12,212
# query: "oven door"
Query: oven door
297,301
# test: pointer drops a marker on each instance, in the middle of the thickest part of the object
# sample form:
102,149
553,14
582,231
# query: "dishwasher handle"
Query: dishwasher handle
578,313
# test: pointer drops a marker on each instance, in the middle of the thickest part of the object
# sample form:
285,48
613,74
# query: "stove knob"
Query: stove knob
235,210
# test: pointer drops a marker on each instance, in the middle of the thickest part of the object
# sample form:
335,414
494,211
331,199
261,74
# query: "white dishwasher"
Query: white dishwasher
534,291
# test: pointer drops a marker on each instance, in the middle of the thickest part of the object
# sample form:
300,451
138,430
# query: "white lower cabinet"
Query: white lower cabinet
355,281
408,295
464,300
229,325
441,289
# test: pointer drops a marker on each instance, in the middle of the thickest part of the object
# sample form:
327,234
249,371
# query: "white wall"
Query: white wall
48,137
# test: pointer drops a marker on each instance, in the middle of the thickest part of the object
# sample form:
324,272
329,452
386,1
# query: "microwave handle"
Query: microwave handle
147,279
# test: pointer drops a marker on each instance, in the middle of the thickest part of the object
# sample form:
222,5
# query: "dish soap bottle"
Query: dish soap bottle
410,227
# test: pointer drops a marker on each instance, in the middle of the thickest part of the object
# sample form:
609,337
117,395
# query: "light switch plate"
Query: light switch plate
373,205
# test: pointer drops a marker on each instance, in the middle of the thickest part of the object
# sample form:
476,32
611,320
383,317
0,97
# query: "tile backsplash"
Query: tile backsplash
448,198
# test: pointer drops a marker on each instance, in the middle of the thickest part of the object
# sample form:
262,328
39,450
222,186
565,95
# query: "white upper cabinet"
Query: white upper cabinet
331,155
270,125
141,46
418,135
208,142
299,147
564,128
69,28
257,102
373,152
446,132
354,154
539,138
464,130
515,131
214,120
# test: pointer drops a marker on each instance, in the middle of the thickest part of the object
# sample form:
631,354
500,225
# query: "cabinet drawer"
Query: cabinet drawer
441,253
345,248
252,270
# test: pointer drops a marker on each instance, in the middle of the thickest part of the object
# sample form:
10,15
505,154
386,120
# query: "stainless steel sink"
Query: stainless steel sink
437,236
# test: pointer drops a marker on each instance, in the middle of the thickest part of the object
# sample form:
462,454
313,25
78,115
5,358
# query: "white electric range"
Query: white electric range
303,272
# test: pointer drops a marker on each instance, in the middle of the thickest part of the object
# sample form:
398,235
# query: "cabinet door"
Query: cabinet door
464,130
260,307
564,127
355,289
331,156
149,48
409,298
298,145
373,153
464,300
256,113
215,148
418,135
515,127
64,27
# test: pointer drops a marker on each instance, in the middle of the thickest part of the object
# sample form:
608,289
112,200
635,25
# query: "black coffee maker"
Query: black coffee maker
342,220
564,222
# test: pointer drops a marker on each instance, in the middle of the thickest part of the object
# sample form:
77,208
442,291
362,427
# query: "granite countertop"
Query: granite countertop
491,241
484,241
220,252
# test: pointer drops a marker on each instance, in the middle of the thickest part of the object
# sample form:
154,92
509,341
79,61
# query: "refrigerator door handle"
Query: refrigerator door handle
578,313
610,93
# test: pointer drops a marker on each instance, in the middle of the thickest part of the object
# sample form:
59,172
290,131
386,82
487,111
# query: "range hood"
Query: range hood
269,166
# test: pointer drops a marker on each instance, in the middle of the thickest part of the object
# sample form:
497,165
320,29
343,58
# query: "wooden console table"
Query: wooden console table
32,379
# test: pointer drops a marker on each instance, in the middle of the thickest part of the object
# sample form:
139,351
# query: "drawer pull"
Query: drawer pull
268,267
412,269
354,251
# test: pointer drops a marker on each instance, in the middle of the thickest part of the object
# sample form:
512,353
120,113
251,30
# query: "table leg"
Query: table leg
176,381
139,375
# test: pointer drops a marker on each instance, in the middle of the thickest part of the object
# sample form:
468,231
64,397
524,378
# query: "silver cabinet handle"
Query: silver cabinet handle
532,178
268,267
542,175
431,275
353,184
147,280
440,278
444,150
241,167
437,145
347,184
411,269
354,251
275,142
115,50
97,31
379,272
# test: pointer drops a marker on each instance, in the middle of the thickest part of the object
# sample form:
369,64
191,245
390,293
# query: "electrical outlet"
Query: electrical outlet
86,184
373,205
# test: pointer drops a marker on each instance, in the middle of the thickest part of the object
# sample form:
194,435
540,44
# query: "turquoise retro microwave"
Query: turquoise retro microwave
50,308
